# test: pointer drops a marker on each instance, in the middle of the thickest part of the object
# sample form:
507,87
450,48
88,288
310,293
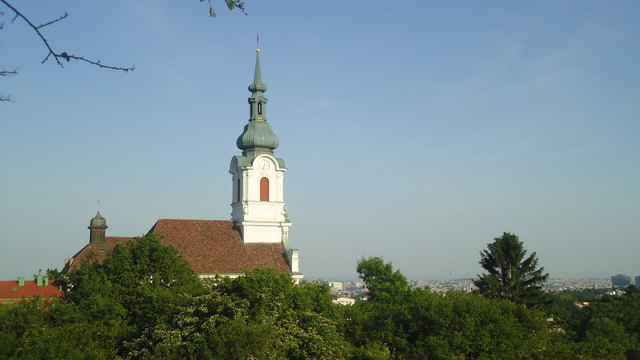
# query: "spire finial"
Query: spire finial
257,43
257,85
257,137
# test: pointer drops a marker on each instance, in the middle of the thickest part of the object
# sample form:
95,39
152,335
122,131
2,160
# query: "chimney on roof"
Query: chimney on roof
97,229
294,259
21,281
39,280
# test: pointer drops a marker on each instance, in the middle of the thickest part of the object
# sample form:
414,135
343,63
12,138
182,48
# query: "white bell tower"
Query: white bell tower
258,178
258,199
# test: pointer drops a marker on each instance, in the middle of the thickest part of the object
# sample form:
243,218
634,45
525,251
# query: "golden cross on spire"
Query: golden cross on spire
257,43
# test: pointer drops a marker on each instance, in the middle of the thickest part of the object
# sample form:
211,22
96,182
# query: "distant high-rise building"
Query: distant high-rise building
638,281
621,280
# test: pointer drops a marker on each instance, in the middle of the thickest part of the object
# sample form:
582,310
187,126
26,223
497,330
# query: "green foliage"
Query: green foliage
606,339
382,282
302,318
37,330
143,302
509,274
262,315
231,4
612,324
399,323
54,274
17,322
141,281
585,294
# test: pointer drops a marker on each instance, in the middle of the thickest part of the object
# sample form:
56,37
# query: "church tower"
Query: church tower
258,177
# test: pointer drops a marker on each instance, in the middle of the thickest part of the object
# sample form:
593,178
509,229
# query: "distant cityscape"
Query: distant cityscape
348,291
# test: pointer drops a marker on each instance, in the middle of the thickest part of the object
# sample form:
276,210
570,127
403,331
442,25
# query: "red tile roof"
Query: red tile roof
99,250
209,246
215,247
10,291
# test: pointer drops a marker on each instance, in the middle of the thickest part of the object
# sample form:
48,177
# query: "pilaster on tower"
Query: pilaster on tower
258,176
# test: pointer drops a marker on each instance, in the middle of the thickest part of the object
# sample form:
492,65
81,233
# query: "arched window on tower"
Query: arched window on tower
259,108
238,191
264,189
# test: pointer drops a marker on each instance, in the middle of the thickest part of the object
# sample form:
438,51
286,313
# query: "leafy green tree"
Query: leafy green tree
400,323
17,321
467,326
262,315
302,318
511,274
139,285
605,339
383,283
55,274
609,325
378,326
53,330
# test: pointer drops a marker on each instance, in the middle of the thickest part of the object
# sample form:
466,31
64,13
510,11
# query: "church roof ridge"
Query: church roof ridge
193,220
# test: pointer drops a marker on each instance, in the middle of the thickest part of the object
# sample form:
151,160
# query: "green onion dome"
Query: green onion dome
257,134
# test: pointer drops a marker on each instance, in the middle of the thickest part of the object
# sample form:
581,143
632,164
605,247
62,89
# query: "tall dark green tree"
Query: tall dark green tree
511,274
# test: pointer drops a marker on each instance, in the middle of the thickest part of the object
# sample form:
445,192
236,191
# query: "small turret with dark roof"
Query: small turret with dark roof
257,137
97,229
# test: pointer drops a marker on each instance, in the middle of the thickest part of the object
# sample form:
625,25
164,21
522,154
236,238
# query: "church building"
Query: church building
257,235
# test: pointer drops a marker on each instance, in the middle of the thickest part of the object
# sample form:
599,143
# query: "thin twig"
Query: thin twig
96,63
4,72
53,21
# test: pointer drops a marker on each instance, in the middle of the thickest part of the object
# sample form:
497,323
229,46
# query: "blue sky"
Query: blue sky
417,132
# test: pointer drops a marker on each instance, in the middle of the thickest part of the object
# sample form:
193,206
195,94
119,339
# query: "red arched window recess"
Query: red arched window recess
238,191
264,189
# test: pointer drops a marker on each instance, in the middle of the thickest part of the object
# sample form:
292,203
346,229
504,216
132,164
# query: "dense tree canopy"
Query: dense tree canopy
511,274
144,302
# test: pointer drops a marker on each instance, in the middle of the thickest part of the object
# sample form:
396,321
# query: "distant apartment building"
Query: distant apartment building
344,301
336,285
620,280
638,280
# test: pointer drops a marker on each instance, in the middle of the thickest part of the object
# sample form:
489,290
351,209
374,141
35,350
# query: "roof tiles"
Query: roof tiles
215,247
11,291
209,246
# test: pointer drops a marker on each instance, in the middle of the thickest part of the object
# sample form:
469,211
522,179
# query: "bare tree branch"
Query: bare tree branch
53,21
63,55
68,57
4,72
